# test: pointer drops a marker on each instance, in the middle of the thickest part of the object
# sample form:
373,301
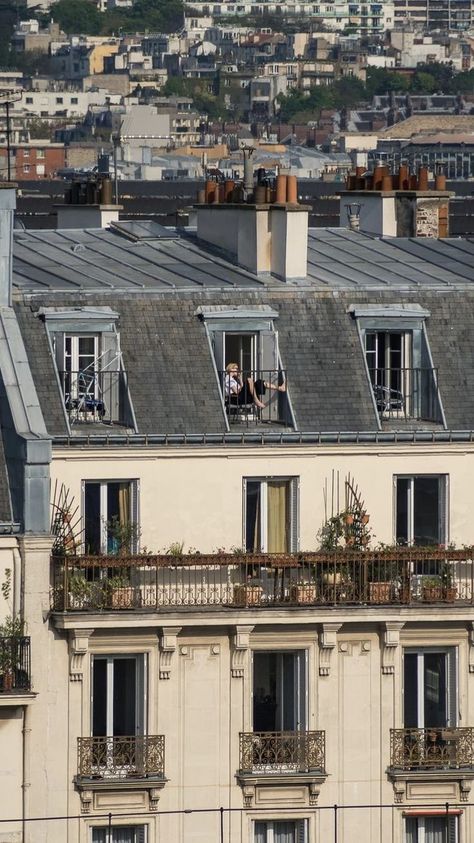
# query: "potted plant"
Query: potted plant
304,592
122,536
249,593
11,632
381,576
432,589
450,591
120,593
81,591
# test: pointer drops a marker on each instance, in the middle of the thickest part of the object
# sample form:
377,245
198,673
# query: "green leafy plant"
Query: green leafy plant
122,536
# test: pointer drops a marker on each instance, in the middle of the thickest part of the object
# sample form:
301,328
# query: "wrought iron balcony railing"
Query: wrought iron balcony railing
121,757
244,392
406,393
448,747
15,670
404,576
282,752
96,397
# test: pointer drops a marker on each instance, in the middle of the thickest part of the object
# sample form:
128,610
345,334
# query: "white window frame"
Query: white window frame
443,510
134,515
422,836
301,828
109,838
452,693
294,530
140,690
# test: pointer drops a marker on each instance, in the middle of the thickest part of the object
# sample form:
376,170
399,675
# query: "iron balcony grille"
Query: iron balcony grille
409,576
406,393
15,669
262,385
96,396
282,752
432,748
121,757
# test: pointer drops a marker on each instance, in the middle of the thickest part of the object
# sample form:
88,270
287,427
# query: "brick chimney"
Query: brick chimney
400,205
264,230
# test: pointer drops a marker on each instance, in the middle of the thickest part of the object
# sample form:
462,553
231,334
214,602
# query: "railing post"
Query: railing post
65,584
335,823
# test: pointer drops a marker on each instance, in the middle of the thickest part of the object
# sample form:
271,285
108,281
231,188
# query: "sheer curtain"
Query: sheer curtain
275,832
277,504
427,829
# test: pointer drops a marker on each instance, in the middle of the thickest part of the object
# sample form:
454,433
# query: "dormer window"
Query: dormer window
398,361
253,383
86,347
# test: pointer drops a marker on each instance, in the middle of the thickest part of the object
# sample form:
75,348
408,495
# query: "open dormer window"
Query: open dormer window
398,359
86,346
252,380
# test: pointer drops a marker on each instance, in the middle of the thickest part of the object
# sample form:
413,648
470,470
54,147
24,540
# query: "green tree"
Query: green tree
348,91
380,81
76,16
463,83
423,82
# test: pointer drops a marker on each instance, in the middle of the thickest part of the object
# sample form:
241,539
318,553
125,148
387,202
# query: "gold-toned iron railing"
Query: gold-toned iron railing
282,752
120,757
447,747
402,575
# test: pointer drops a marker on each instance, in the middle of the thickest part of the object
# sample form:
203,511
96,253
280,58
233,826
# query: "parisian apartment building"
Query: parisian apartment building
236,563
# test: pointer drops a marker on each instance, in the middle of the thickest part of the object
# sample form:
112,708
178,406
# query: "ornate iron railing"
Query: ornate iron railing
92,396
424,749
15,668
245,392
121,757
282,752
406,393
409,576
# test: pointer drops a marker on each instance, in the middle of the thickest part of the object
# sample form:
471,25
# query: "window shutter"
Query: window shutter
443,509
217,339
244,513
452,829
135,512
294,515
140,835
451,686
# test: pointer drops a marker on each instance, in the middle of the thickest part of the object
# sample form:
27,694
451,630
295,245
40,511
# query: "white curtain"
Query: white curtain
275,832
436,830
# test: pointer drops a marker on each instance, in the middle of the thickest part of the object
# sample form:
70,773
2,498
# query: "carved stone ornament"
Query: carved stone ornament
248,791
464,789
399,791
391,641
240,651
327,643
168,644
154,798
314,791
78,647
86,801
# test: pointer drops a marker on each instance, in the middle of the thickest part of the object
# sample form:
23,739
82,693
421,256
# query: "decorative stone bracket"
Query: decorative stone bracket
168,643
390,644
327,643
240,650
78,647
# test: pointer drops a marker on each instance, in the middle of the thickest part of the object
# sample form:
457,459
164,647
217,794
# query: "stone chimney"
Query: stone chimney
400,205
88,204
266,234
7,208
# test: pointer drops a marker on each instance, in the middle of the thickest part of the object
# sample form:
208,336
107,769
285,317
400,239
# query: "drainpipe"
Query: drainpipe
26,784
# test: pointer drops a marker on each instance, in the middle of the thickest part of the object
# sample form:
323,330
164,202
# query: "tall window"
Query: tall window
118,696
429,688
122,834
279,691
431,829
271,515
110,516
389,356
421,510
281,831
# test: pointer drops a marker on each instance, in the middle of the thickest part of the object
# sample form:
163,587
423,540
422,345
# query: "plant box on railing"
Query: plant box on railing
248,595
380,592
303,593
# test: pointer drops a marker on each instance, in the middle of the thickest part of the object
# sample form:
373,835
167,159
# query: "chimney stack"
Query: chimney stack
399,205
88,204
261,235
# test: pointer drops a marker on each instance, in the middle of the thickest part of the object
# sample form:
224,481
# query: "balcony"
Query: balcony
406,394
267,386
402,576
277,753
445,748
139,756
15,670
96,397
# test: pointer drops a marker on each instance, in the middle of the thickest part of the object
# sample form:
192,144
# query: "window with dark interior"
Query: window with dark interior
271,515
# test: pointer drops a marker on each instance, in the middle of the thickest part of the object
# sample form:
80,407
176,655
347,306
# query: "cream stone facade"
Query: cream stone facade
245,620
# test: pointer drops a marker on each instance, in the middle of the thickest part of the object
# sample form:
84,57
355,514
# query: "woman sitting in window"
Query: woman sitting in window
238,391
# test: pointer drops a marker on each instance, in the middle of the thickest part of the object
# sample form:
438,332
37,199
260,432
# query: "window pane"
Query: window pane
426,527
402,536
410,696
125,697
434,677
252,526
265,692
260,833
284,832
92,522
99,698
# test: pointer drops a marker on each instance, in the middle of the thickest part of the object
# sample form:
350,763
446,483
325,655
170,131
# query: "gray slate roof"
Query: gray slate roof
157,287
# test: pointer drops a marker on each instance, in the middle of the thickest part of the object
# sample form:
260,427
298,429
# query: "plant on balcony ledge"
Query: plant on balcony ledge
122,536
120,594
12,631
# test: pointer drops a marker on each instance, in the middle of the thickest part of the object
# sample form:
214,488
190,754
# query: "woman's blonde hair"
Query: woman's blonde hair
231,366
